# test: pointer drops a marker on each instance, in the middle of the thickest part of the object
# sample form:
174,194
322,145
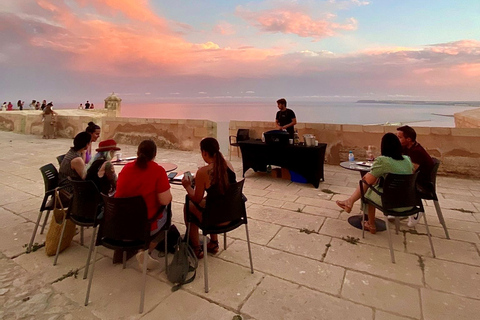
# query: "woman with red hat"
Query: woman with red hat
101,170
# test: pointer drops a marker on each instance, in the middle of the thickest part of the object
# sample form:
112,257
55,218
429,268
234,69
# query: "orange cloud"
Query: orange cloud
295,22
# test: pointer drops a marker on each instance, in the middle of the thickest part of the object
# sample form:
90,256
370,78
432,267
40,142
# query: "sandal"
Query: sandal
198,250
212,246
344,206
368,227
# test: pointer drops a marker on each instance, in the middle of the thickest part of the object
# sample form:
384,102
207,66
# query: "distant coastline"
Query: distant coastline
442,103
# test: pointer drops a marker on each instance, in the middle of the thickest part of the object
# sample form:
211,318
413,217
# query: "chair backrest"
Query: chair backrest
399,191
50,176
243,135
85,201
433,174
125,219
60,159
224,208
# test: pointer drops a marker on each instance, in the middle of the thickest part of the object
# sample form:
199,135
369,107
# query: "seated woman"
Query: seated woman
391,161
218,173
73,164
101,170
94,131
146,178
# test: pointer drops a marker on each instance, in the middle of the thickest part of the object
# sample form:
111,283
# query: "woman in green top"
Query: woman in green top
391,161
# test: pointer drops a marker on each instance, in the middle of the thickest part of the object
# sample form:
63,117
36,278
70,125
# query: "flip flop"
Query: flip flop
369,228
344,206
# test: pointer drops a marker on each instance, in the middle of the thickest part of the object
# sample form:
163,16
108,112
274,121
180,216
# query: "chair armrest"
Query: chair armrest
361,182
155,217
230,139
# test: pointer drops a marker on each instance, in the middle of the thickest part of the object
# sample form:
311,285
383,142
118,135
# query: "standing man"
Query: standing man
87,105
422,162
285,119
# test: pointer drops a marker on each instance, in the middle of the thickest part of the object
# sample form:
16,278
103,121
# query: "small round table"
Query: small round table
363,167
166,165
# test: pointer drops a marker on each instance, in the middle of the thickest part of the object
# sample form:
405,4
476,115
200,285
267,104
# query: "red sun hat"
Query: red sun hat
107,145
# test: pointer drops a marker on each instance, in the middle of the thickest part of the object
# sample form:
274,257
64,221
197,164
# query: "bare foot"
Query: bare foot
345,205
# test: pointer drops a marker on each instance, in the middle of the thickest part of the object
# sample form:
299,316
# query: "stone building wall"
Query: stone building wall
457,148
468,119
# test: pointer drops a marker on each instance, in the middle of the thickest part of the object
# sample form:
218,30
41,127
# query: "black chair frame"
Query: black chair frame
60,159
220,209
50,180
84,209
126,226
399,191
430,193
242,135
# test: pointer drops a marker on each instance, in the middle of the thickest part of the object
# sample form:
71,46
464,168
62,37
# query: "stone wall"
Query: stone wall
457,148
175,134
468,119
169,134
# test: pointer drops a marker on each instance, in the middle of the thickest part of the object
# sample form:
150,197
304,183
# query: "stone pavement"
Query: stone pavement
304,267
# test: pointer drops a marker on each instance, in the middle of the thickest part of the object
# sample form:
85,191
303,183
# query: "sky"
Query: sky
157,50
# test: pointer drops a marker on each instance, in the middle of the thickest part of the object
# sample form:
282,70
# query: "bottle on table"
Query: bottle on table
351,158
296,139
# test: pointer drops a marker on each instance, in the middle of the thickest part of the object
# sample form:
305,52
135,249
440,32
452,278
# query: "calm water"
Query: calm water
316,112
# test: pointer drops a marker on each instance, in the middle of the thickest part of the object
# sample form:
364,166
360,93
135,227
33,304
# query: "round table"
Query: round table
363,168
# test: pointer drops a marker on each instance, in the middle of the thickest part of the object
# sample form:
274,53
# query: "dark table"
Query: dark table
306,161
356,221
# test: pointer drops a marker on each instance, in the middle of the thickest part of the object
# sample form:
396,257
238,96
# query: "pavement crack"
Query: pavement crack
71,273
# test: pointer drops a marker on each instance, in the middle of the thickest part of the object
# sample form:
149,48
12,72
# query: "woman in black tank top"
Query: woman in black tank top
218,174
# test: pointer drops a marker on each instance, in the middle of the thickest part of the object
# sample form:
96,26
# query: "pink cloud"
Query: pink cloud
295,22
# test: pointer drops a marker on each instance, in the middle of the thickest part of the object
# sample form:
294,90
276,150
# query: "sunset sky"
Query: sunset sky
159,50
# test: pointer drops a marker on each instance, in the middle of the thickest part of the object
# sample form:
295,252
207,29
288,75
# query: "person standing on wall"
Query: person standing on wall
87,105
285,119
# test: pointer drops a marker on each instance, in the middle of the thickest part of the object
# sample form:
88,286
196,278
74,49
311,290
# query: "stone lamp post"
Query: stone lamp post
112,104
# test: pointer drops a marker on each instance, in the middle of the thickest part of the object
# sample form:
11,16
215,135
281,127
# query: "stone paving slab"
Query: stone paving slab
278,299
313,274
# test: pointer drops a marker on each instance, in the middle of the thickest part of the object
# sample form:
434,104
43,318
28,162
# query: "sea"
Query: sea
306,111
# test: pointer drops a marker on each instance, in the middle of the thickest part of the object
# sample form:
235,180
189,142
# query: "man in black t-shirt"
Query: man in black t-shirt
87,105
285,119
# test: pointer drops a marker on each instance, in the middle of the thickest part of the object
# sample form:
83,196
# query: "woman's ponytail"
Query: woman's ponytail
147,150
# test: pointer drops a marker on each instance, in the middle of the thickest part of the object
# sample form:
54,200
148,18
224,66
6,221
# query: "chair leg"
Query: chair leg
440,217
365,211
60,241
205,264
45,221
397,224
238,152
225,241
81,236
144,280
390,241
90,249
249,249
91,276
428,233
166,251
29,248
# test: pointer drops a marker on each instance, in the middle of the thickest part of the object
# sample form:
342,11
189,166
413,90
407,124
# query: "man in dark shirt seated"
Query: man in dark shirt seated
285,119
422,161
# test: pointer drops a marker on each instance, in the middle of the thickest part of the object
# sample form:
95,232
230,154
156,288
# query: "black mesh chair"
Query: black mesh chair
60,159
84,211
399,191
429,192
50,180
125,226
242,135
219,209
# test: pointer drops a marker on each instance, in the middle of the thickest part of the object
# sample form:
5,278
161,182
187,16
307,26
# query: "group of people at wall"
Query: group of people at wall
88,105
148,179
400,154
34,105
